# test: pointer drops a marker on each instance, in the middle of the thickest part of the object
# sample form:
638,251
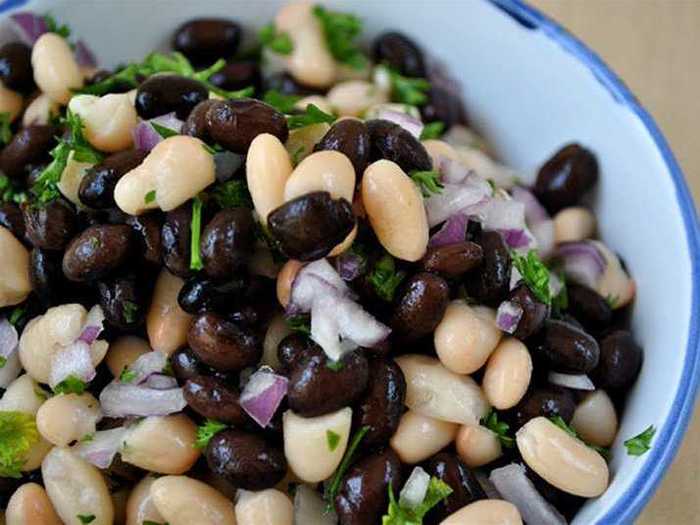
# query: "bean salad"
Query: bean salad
286,283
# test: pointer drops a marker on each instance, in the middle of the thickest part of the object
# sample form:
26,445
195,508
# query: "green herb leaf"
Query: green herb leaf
3,361
87,437
5,130
296,156
163,131
408,90
384,277
86,518
535,274
558,421
336,366
195,233
312,115
18,434
149,522
279,101
332,439
17,314
150,197
232,194
278,42
207,431
52,26
70,385
41,393
10,191
334,484
612,300
127,376
130,311
500,428
428,182
641,443
560,302
340,31
299,323
433,130
397,514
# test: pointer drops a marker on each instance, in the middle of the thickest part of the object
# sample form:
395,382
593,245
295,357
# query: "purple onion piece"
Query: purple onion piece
452,171
31,25
145,137
73,360
411,124
147,365
534,211
84,55
581,262
8,339
161,382
170,121
508,316
121,400
574,381
453,231
102,448
515,238
262,396
349,266
11,370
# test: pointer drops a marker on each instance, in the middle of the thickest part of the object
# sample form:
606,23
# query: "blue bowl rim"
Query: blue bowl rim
668,438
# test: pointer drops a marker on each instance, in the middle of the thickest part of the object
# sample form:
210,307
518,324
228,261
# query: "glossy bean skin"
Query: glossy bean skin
420,306
315,389
490,282
212,398
46,275
568,349
12,219
235,123
16,67
534,312
204,40
453,260
29,146
175,238
400,53
227,242
351,138
588,307
620,362
238,75
381,407
147,231
162,94
310,226
294,349
50,227
196,123
97,186
443,106
97,252
186,365
246,460
123,301
548,401
223,345
466,489
392,142
363,495
199,295
566,177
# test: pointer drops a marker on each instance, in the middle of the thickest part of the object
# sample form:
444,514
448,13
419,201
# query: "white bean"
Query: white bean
71,177
22,395
109,120
14,278
329,171
186,501
267,507
574,224
267,169
477,445
29,505
394,207
76,488
435,391
140,506
615,284
300,143
561,459
438,150
36,455
466,336
307,443
353,97
66,418
418,437
39,111
166,323
10,102
55,70
485,512
507,374
285,278
124,351
595,419
277,330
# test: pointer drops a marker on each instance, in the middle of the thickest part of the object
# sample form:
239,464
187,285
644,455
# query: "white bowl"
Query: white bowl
529,87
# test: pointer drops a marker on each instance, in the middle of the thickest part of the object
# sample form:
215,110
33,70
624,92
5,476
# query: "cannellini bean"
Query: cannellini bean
185,501
595,419
267,169
66,418
329,171
39,111
267,507
507,374
108,120
11,102
418,437
310,61
167,324
438,149
46,335
55,70
319,101
485,512
353,97
29,505
124,351
561,459
140,506
285,279
435,391
306,443
71,177
466,337
14,278
615,283
277,330
574,224
162,444
22,395
75,487
477,445
394,207
36,455
300,143
177,169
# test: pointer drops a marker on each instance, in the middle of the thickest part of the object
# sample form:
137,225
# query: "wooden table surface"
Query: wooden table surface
654,46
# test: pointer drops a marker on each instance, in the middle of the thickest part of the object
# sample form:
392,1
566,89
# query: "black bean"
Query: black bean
549,402
566,503
490,282
227,242
186,365
200,294
419,306
381,407
11,218
400,53
534,312
204,40
316,389
162,94
147,230
196,123
465,487
293,349
97,186
453,260
246,460
566,177
589,307
310,226
567,349
287,85
390,141
364,490
176,235
214,399
238,75
98,251
351,138
223,345
29,146
620,362
123,301
51,226
16,67
46,275
235,123
443,106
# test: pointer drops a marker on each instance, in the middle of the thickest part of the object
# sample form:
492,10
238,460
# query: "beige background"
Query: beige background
654,45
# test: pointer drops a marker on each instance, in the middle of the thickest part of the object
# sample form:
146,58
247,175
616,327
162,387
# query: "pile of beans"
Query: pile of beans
178,265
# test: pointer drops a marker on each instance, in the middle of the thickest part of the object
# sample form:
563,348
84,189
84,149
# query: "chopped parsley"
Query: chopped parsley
535,274
278,42
17,314
384,278
312,115
612,300
332,439
127,376
86,518
3,361
130,311
232,194
70,385
558,421
87,437
333,486
149,522
207,431
335,365
428,182
11,192
399,514
500,428
641,443
18,433
163,131
299,323
433,130
195,233
52,26
150,197
40,393
296,156
340,31
279,101
5,130
407,90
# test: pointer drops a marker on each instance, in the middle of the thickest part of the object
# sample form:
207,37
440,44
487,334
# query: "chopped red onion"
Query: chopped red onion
121,400
29,26
452,171
84,55
408,122
555,284
516,238
303,291
170,121
11,370
263,394
349,266
456,198
416,487
454,230
544,234
145,137
101,449
93,325
538,220
146,365
161,382
514,486
8,338
226,165
575,381
73,360
515,278
581,262
500,214
508,316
